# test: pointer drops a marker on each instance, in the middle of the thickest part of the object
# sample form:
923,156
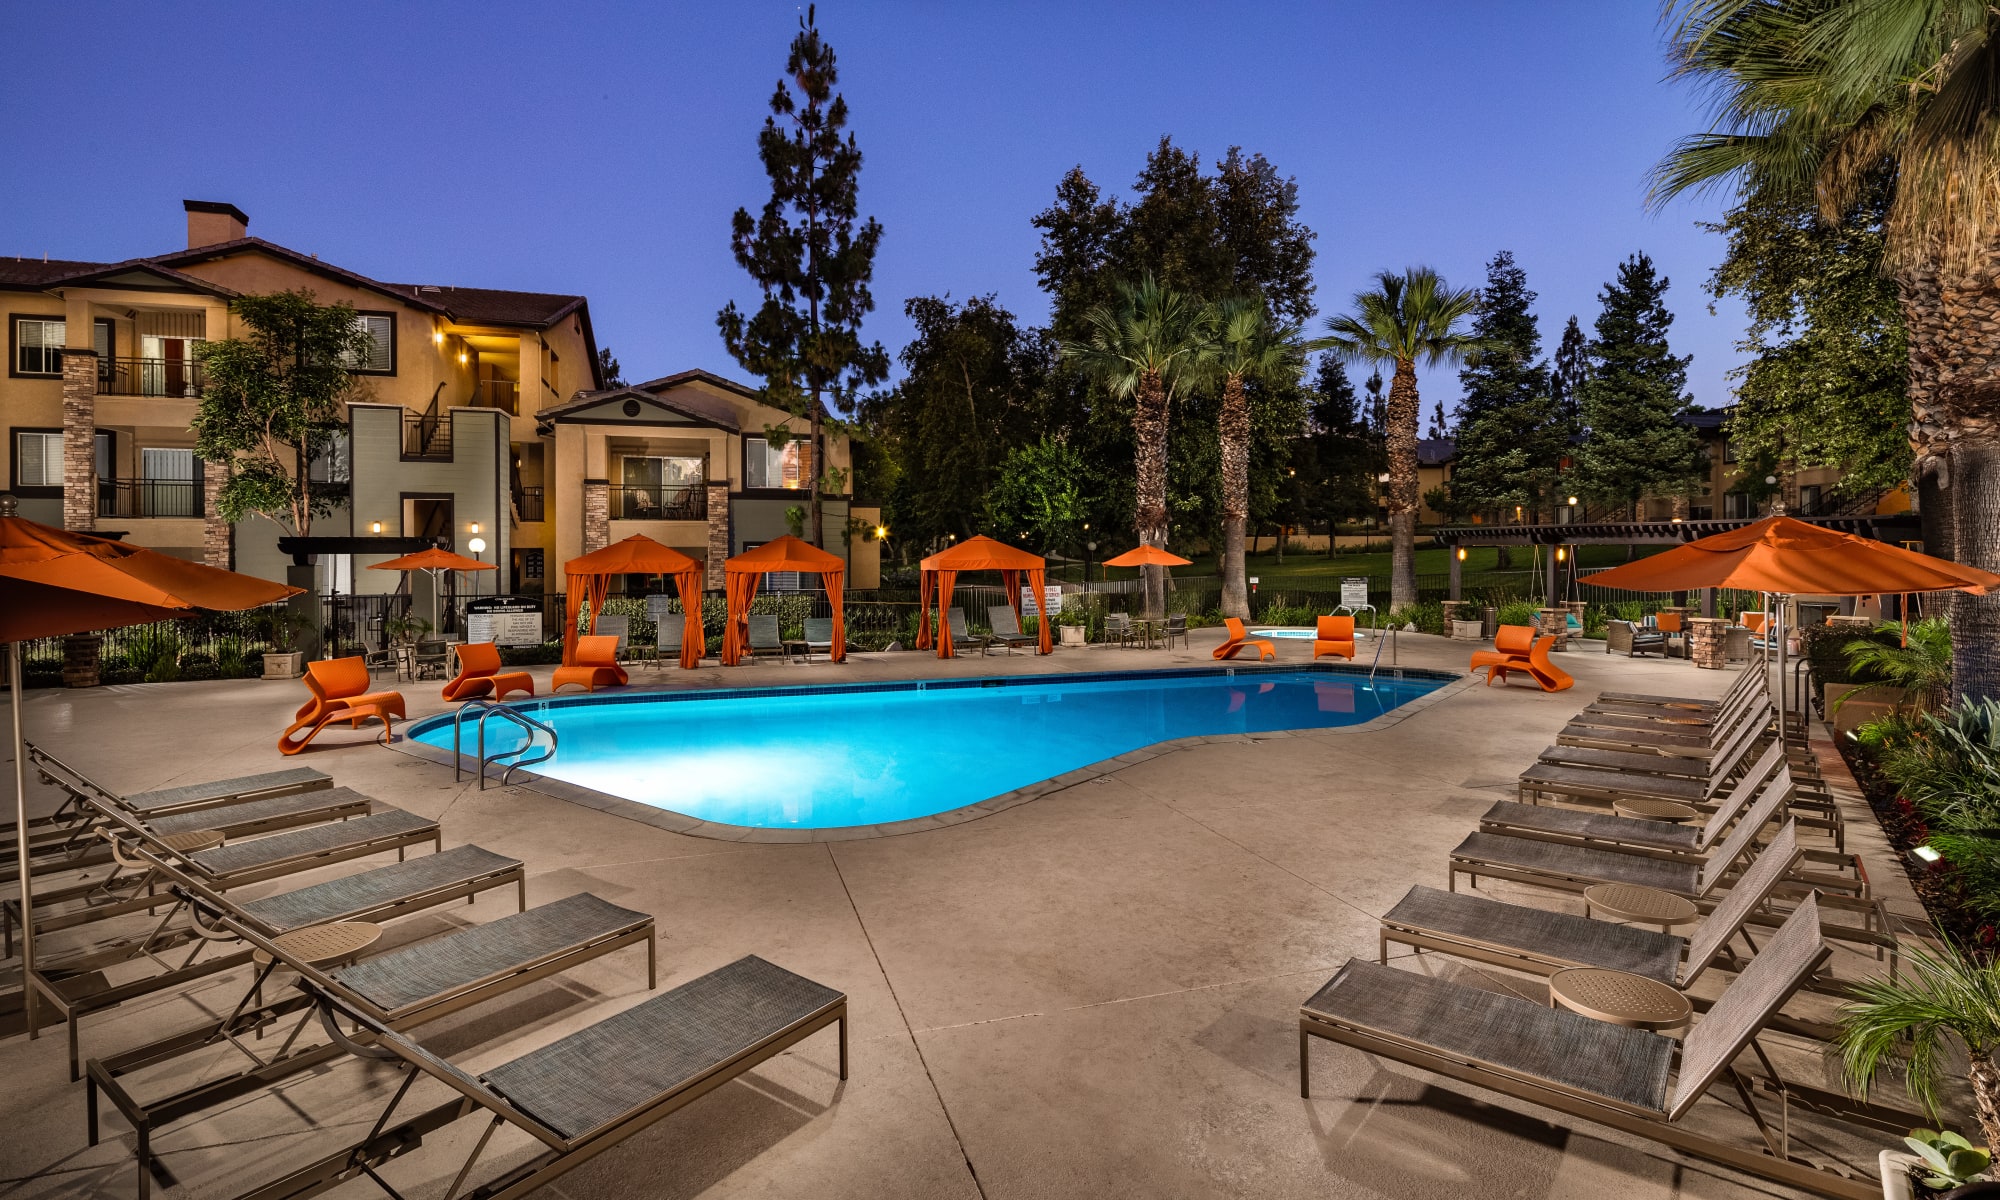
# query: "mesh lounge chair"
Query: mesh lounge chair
1176,627
962,636
403,988
817,634
1584,827
1608,1074
1579,784
764,638
1006,628
615,625
1663,760
669,636
1683,704
1591,727
585,1093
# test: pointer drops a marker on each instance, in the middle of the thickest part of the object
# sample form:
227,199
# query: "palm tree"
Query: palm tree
1244,345
1824,99
1146,348
1944,1004
1404,318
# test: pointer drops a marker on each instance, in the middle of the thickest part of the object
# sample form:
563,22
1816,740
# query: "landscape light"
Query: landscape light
1382,478
1925,855
1771,479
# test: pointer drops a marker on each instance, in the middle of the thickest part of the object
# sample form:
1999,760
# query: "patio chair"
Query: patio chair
764,636
1176,627
377,653
1536,666
479,673
1624,637
1118,628
584,1093
1510,643
1006,628
339,688
431,659
670,634
962,636
403,988
596,665
1239,640
1334,635
817,633
1607,1074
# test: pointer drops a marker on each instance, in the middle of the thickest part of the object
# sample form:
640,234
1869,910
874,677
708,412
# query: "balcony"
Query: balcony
177,377
683,503
527,504
427,436
138,498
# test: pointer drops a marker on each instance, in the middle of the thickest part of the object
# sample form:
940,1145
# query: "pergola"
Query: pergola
941,571
787,553
590,580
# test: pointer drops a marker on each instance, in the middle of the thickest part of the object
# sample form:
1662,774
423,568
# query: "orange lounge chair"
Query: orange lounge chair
1511,644
340,692
596,664
1240,640
479,673
1537,665
1335,635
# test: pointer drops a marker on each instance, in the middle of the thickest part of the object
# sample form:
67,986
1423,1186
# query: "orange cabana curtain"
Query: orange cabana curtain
742,588
585,592
694,639
784,554
946,580
924,582
941,570
1037,583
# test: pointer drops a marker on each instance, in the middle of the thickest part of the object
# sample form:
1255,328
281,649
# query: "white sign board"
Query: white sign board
1353,592
504,628
1052,597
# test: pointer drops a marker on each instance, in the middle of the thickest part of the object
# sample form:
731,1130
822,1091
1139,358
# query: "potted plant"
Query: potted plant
1944,1003
282,627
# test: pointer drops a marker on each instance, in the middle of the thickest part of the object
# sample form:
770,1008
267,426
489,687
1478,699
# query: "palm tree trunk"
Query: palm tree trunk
1402,445
1149,436
1235,437
1985,1076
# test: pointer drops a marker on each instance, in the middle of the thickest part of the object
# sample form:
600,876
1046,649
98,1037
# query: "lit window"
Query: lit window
765,466
38,346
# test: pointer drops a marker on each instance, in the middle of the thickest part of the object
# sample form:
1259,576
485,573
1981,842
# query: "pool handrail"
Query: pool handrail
488,709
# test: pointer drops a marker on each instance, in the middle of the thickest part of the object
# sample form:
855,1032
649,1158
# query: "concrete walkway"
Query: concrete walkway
1092,994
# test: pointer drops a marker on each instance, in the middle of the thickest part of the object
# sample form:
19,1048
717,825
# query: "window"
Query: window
1808,499
166,482
1729,450
38,460
1736,505
766,467
104,339
381,356
38,346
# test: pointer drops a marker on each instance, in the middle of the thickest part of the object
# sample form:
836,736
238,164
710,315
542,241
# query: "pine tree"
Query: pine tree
1566,376
810,255
1340,462
1635,443
1511,439
1438,429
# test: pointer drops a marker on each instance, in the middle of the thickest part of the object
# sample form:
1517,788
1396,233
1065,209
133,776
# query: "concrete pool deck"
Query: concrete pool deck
1091,994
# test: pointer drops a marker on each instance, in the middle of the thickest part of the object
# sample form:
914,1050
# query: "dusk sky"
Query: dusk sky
602,149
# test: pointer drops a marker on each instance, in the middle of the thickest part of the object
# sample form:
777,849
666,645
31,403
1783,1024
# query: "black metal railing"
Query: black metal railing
427,435
527,504
176,377
684,502
148,498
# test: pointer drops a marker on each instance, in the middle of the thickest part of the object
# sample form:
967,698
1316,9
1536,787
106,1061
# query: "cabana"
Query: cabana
785,554
590,581
941,571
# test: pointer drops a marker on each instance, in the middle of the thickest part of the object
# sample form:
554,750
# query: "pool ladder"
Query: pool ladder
487,710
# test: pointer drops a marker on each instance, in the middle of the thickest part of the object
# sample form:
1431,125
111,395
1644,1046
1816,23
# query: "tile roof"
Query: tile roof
492,306
40,272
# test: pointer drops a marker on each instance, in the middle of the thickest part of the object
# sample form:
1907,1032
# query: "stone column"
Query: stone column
79,409
596,515
1554,622
1707,641
215,532
718,535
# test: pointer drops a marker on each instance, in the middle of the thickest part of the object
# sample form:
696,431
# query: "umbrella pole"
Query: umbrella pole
1784,729
21,841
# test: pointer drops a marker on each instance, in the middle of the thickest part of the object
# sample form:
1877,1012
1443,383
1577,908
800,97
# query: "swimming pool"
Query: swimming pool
1301,635
869,754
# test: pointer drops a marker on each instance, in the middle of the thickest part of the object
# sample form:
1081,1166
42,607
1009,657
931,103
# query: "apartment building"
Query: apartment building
482,414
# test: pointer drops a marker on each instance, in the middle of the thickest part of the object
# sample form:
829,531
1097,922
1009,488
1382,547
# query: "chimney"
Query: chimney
210,221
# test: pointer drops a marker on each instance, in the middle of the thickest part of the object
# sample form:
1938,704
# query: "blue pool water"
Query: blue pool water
871,754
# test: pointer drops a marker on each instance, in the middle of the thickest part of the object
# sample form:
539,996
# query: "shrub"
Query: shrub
1426,615
1520,612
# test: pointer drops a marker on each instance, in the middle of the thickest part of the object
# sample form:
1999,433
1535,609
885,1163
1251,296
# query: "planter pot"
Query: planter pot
285,666
1468,631
1861,709
1894,1166
1072,635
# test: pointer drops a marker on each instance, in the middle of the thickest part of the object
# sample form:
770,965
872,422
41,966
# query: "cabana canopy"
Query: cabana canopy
1779,554
784,554
590,579
940,573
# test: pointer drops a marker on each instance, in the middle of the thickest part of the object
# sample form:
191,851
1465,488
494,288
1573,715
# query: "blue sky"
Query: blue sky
602,148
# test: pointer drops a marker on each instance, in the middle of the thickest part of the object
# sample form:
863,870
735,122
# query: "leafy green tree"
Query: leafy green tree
1635,442
1817,100
275,400
1243,348
1511,434
1039,494
811,256
1827,384
1147,349
1405,318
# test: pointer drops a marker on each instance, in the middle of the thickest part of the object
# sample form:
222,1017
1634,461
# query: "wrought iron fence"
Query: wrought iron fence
150,377
677,503
148,498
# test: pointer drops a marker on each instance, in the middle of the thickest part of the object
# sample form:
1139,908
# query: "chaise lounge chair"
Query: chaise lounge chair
1579,783
962,637
1511,643
765,639
1536,666
596,665
479,673
669,635
1599,1072
817,634
1006,627
1334,635
340,692
1584,827
70,816
1239,640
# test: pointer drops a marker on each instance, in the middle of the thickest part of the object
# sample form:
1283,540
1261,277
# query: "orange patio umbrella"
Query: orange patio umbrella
1147,556
55,582
940,573
788,553
431,562
590,581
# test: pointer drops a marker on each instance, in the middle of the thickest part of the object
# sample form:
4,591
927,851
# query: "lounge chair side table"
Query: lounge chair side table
332,944
1629,902
1619,998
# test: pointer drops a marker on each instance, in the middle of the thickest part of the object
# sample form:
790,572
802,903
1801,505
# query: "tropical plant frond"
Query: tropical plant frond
1943,999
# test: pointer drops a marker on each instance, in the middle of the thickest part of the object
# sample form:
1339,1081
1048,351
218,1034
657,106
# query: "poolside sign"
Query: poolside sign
1353,592
504,621
1052,599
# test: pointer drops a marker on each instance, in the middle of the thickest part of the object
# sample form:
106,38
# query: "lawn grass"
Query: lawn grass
1323,573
